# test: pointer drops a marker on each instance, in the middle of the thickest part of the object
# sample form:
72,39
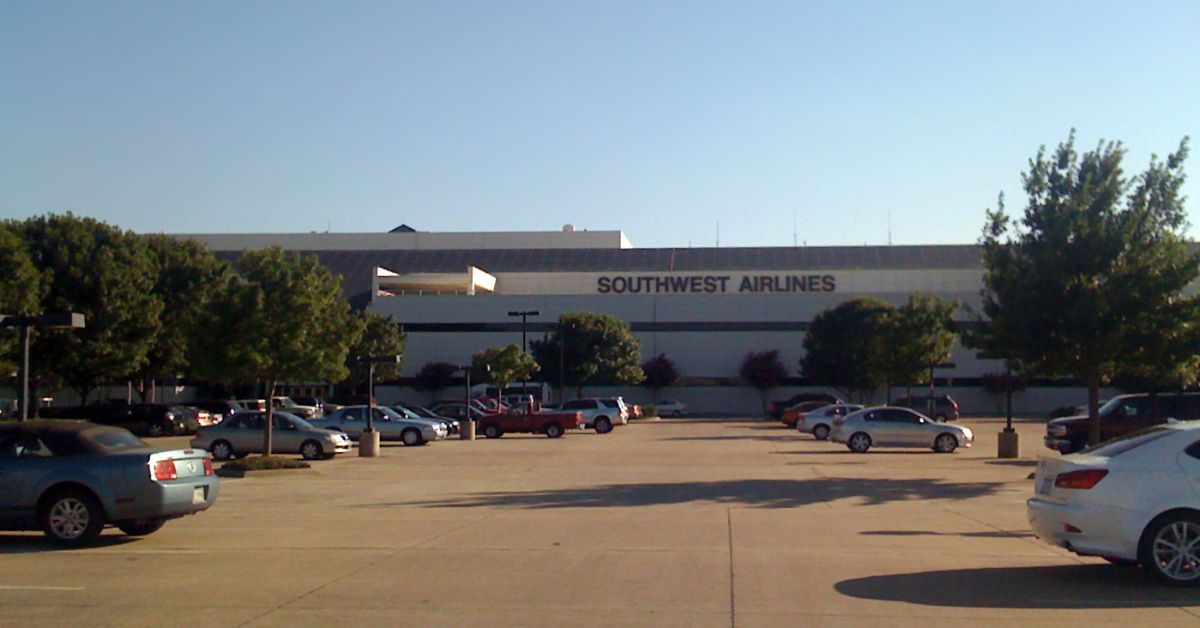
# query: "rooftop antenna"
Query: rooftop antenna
793,227
889,226
718,234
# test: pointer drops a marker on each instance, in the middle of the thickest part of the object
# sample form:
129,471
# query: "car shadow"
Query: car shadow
748,493
1052,587
1013,463
18,543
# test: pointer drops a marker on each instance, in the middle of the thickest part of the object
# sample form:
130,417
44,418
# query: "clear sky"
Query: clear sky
657,118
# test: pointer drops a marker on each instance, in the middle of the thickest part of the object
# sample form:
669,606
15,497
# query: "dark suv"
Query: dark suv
1121,415
944,407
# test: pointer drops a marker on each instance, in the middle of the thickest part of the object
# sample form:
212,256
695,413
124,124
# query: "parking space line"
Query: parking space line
20,587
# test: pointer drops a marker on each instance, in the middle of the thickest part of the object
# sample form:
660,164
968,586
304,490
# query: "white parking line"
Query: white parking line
14,587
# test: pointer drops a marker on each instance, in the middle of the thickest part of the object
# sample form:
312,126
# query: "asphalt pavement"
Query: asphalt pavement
671,522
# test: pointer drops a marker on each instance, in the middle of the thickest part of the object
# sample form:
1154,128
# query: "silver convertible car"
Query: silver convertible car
73,478
390,424
243,434
900,427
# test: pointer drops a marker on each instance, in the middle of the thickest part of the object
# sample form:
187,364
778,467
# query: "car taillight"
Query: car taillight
1082,480
163,470
208,468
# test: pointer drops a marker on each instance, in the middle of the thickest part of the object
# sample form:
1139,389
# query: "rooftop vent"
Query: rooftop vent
403,229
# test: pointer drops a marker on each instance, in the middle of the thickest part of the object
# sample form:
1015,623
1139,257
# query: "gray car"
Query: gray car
73,478
900,427
390,424
243,434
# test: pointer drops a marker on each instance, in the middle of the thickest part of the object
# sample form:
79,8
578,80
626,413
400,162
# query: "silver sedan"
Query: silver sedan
899,427
390,424
243,434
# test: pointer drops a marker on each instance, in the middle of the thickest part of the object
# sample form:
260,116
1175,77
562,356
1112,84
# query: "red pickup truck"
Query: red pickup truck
552,424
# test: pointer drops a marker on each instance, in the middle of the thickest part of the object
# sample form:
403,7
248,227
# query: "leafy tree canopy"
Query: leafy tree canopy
435,376
21,289
378,335
659,373
844,346
507,365
1089,281
596,350
916,335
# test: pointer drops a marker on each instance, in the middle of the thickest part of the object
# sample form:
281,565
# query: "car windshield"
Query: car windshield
397,413
1128,442
1109,407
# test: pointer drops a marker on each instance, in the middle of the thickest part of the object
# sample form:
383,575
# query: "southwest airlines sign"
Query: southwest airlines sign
715,284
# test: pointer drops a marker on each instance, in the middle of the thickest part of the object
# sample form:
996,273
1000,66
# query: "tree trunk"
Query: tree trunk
1093,383
270,418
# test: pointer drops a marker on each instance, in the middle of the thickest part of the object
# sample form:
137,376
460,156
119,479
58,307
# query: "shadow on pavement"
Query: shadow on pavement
1013,463
38,543
1060,586
752,493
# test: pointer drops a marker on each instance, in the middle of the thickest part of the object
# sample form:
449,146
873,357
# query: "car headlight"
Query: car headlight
1058,430
968,434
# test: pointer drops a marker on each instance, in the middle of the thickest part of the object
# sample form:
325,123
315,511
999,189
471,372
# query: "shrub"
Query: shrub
264,463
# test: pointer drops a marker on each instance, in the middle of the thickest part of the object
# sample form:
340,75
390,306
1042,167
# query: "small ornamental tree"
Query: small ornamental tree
284,319
501,366
916,337
763,371
1090,280
659,372
380,336
435,377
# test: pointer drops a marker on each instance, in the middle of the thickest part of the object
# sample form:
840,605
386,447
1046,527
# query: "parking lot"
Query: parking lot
672,522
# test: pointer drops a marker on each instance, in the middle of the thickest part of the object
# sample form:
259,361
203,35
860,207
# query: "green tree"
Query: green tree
844,346
283,319
916,336
106,274
595,350
659,372
21,289
763,371
187,278
1089,282
379,335
435,377
507,365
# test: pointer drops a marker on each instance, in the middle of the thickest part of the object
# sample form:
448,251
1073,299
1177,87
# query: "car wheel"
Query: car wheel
491,430
311,450
72,517
677,413
411,438
1168,549
940,418
603,425
945,443
859,442
155,430
140,528
221,450
554,430
821,432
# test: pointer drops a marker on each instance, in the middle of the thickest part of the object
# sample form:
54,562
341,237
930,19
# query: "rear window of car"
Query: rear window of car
1128,442
111,440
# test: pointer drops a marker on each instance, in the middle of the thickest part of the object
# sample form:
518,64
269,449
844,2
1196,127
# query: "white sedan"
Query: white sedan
898,427
1132,499
819,422
670,407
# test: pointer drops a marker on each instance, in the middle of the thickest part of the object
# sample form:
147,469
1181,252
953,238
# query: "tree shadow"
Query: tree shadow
1057,587
749,493
29,543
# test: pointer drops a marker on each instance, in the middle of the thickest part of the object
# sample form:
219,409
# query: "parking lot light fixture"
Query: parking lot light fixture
368,443
50,320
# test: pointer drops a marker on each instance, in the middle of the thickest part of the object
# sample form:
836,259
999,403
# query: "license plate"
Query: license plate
198,495
1044,486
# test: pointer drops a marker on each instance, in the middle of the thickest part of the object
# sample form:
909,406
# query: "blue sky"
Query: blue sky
657,118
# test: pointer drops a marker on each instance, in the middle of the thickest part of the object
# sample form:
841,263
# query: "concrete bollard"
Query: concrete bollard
368,444
466,430
1009,444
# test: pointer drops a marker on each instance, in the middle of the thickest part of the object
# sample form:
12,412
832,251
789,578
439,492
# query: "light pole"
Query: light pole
524,314
466,430
368,443
52,320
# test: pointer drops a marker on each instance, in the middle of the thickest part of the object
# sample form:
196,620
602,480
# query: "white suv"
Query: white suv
599,414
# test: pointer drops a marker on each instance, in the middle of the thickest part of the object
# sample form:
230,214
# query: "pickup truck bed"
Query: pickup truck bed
552,424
